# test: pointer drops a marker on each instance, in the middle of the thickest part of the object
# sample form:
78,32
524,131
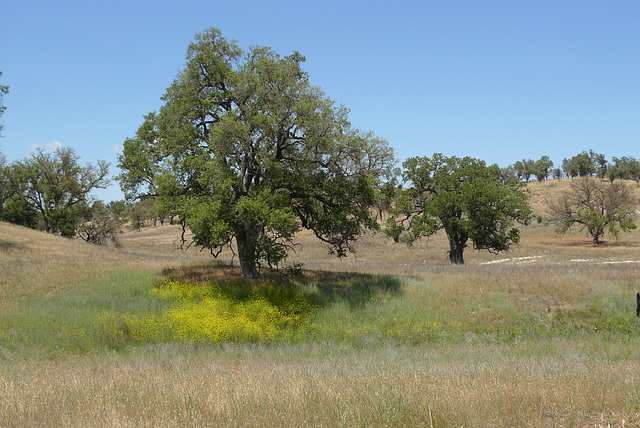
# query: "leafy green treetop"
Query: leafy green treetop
542,168
580,165
245,149
464,197
57,187
624,168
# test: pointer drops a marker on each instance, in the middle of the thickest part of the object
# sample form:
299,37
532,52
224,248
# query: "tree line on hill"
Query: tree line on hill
51,191
246,151
584,164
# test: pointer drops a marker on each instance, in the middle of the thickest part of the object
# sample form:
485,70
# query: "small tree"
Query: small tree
117,209
4,182
542,168
57,187
465,198
624,168
98,227
141,212
599,163
387,192
597,206
578,166
507,173
557,173
524,169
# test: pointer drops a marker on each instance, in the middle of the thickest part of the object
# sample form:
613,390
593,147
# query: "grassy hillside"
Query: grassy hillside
544,335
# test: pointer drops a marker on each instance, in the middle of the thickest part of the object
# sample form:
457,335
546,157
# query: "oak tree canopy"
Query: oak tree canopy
245,149
463,196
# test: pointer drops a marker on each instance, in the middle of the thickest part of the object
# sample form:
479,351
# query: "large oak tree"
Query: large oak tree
463,196
244,148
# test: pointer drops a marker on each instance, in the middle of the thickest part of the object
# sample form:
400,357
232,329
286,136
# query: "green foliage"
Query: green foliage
465,198
581,165
624,168
245,149
354,309
117,208
524,169
55,186
17,211
542,168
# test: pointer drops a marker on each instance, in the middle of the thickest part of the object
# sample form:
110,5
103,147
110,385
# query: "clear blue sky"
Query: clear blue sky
496,80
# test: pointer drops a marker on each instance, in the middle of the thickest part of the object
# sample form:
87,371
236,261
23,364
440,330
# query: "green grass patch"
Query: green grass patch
211,306
67,321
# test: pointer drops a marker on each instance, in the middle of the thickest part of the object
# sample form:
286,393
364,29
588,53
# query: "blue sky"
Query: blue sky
496,80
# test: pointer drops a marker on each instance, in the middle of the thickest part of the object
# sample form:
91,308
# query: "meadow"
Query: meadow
147,335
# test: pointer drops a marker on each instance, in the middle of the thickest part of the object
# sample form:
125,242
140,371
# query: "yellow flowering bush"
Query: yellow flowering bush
211,313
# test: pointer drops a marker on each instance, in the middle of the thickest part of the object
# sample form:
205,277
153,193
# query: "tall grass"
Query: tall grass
69,321
543,383
393,337
476,304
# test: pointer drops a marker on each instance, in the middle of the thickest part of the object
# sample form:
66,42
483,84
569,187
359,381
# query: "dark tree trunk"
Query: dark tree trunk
247,247
248,269
456,251
596,234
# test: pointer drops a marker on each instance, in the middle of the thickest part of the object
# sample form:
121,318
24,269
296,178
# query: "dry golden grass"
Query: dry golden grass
590,381
536,385
36,262
541,193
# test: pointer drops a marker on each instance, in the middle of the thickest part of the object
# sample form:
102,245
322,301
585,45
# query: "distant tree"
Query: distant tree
98,227
597,206
566,167
580,166
141,212
17,211
13,208
462,196
599,163
117,208
57,187
507,173
524,169
3,91
387,193
246,150
542,168
529,168
557,173
624,168
518,168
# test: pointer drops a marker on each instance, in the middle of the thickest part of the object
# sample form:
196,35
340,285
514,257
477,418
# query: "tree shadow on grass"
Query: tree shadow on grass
322,288
355,288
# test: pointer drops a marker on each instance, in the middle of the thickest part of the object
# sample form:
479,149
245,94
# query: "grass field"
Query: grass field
147,335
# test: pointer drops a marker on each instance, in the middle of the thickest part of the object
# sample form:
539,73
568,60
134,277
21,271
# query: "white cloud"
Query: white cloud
116,149
49,147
